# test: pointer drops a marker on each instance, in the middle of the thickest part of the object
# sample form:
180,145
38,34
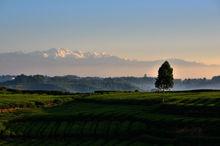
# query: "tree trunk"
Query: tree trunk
163,96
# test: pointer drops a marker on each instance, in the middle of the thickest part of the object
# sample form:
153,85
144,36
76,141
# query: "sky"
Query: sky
135,29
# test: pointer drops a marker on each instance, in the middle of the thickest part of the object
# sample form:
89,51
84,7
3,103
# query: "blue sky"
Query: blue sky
136,29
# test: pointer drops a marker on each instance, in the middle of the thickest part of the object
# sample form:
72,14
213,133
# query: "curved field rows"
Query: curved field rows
118,119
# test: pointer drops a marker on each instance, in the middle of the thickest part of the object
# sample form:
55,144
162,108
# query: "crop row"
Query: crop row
74,142
107,127
77,128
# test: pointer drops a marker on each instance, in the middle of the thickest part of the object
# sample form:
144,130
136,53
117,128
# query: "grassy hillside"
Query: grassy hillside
111,118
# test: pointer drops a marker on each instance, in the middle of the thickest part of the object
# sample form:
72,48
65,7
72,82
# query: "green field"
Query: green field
110,118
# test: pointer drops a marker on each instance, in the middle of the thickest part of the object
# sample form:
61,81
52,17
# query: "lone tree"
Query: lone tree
164,80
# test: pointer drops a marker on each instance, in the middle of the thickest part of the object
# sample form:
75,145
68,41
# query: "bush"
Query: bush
39,103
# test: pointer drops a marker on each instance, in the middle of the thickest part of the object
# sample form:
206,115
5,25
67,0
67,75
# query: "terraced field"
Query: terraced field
117,118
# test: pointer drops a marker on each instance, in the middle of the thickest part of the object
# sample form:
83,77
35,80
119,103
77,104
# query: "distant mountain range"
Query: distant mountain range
64,61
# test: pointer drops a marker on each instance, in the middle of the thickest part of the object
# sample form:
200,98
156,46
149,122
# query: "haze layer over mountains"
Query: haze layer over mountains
64,61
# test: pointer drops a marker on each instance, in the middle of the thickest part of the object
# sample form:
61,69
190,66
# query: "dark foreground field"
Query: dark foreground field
185,119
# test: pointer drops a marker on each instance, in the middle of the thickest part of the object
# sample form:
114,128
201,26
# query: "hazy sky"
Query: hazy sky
140,29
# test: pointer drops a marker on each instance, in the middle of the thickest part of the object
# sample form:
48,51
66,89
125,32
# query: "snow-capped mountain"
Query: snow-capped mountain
68,53
64,61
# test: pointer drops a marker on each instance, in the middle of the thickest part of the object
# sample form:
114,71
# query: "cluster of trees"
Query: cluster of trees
72,83
77,84
5,78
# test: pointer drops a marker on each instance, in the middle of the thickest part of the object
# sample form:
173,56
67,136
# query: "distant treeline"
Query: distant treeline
72,83
48,92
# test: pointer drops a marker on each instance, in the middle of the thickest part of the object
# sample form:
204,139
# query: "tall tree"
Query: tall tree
164,80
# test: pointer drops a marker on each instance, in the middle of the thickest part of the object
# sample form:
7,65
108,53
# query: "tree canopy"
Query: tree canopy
164,80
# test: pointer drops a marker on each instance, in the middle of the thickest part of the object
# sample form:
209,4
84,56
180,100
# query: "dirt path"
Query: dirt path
9,110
